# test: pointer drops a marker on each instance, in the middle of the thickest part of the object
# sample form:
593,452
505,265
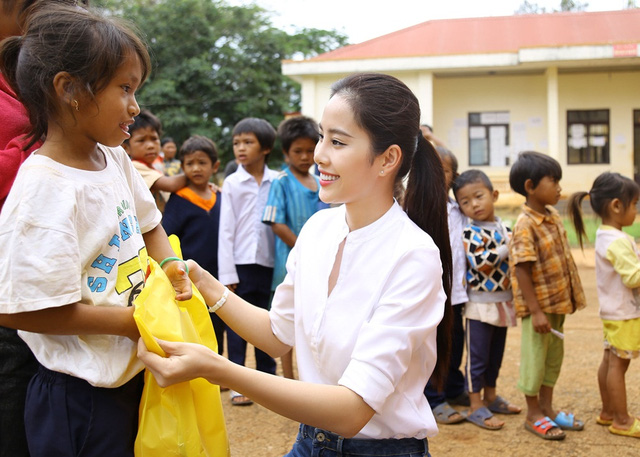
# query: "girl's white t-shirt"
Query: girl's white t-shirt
376,333
70,235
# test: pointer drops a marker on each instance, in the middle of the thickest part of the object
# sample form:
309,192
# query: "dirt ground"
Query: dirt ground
255,431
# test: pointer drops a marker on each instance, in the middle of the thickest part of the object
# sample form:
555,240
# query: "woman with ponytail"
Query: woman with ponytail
366,292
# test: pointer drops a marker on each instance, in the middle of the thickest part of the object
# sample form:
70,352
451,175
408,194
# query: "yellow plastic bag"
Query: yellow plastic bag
185,419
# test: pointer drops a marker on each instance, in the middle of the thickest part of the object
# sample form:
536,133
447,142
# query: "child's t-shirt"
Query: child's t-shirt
292,204
617,274
70,235
150,176
196,222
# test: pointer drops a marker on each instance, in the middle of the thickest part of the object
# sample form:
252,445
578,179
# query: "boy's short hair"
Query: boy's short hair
165,140
143,120
198,143
534,166
470,177
263,130
297,127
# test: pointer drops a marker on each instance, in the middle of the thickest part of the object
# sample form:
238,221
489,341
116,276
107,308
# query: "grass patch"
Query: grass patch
591,224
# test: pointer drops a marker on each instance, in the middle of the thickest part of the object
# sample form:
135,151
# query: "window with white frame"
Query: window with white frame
587,136
489,138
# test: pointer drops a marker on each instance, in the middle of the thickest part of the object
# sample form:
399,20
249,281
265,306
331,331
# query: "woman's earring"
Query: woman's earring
75,103
381,172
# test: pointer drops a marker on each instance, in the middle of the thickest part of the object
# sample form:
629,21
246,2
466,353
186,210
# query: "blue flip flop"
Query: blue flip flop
479,416
568,421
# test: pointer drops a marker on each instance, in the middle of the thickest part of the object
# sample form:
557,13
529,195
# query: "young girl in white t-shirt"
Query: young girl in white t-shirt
614,199
76,229
365,290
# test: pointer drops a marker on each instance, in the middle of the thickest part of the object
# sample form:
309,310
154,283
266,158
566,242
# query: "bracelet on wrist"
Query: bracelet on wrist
220,303
178,259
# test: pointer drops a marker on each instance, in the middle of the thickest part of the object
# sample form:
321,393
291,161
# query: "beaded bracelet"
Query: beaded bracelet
177,259
220,302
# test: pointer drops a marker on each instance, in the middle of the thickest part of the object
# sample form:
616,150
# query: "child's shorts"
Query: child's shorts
622,337
65,415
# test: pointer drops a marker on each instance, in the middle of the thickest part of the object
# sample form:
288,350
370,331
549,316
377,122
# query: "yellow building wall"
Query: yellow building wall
524,96
617,91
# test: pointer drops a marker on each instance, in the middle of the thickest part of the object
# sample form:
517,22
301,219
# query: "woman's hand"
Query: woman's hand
177,274
184,361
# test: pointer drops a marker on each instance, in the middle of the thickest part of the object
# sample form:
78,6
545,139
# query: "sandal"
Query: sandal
237,399
568,422
542,427
479,416
501,406
601,421
633,431
443,413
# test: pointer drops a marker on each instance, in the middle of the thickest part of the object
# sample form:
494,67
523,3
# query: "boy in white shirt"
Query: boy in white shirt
246,245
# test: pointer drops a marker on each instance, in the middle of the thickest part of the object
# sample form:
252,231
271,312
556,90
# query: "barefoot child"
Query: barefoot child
546,287
613,198
489,310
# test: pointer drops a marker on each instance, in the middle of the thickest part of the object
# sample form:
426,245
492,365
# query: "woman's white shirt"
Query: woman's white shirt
376,333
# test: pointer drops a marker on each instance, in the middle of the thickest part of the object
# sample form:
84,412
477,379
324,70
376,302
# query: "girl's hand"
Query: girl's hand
177,274
540,322
184,361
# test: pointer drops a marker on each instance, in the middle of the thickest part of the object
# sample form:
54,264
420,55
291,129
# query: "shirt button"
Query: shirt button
320,437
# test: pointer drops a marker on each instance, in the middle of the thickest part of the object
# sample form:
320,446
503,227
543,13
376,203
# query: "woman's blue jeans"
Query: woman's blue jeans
315,442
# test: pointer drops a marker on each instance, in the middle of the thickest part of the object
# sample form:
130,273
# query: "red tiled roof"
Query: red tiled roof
498,34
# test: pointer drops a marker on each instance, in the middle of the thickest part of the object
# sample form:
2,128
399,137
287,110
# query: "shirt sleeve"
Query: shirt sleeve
226,263
40,266
275,209
522,247
406,318
282,312
625,262
149,175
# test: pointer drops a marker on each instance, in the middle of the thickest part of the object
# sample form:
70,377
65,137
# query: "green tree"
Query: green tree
528,7
214,64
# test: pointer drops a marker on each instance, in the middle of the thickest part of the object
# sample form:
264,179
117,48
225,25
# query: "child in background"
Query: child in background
170,165
143,147
76,229
546,287
293,197
246,245
193,212
614,198
454,385
489,310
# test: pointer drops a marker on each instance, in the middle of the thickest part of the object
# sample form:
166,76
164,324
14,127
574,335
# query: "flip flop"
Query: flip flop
479,416
633,431
501,406
237,399
568,422
601,421
443,413
542,427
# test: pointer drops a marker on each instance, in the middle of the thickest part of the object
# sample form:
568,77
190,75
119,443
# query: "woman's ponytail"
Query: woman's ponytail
425,203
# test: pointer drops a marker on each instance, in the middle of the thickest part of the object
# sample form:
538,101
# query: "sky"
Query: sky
363,20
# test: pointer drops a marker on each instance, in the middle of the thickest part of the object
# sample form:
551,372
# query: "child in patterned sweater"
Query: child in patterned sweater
489,310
